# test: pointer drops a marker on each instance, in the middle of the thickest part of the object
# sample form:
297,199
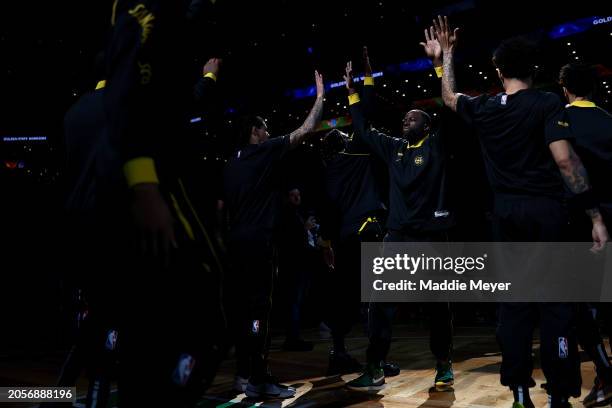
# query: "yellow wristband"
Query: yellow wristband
368,81
439,71
211,76
100,84
140,170
353,98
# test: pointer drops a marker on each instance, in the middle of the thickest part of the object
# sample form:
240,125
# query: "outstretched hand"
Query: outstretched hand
320,85
432,47
348,77
446,37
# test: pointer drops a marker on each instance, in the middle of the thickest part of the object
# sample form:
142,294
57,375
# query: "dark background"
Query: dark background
269,48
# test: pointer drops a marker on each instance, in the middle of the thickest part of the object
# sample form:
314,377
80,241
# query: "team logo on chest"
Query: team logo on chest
418,160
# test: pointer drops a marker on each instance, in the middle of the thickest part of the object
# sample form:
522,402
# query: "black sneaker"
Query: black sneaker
240,383
342,363
558,402
269,389
390,369
297,345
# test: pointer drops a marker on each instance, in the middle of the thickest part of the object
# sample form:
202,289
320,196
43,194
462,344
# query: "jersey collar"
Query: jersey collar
583,104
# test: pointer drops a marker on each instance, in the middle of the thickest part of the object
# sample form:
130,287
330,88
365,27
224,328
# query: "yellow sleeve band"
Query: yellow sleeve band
353,98
439,71
211,76
368,81
140,170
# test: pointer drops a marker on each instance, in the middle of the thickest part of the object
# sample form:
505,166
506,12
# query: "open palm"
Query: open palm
444,34
432,47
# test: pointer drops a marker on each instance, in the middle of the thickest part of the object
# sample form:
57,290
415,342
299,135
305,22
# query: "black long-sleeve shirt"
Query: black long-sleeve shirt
351,186
149,92
93,172
352,190
417,177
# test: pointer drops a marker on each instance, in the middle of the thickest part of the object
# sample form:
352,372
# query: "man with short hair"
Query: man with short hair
527,157
418,212
251,198
591,131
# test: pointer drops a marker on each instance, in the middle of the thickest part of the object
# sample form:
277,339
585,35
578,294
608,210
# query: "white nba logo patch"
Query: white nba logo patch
183,369
255,326
111,340
504,99
563,347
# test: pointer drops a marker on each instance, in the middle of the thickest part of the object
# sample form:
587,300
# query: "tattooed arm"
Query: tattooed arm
577,180
573,171
448,41
311,122
449,88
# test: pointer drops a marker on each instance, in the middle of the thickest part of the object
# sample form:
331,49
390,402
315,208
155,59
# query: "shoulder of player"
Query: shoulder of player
549,97
393,138
273,141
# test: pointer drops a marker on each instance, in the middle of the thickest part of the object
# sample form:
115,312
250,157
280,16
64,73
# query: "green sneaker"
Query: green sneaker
444,375
373,379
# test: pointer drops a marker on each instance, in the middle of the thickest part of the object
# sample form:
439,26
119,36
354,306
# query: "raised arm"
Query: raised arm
134,104
448,41
432,49
377,142
368,87
355,105
202,91
314,117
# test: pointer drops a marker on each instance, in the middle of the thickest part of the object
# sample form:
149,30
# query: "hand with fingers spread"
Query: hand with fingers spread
348,78
314,117
448,41
366,63
446,37
432,47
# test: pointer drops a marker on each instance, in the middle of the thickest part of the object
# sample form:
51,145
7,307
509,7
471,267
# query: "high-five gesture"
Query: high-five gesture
448,41
311,122
446,37
348,77
366,63
432,47
319,84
